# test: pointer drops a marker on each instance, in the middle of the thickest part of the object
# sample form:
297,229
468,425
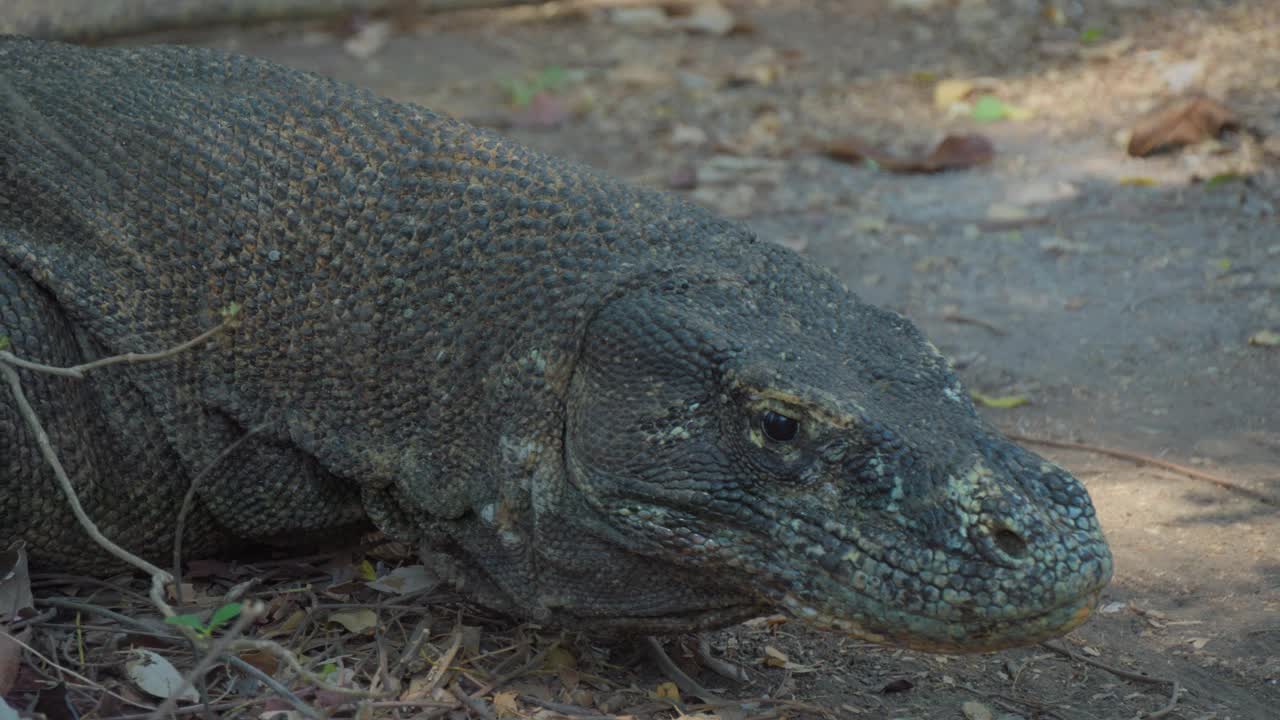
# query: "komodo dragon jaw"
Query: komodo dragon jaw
828,464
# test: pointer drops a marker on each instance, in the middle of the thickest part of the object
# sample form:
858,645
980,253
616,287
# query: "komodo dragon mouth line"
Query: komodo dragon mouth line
927,634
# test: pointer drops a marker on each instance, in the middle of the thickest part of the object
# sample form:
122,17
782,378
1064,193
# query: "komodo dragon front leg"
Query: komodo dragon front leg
606,407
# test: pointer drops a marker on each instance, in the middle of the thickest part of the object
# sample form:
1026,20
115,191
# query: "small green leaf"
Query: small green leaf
1222,179
191,621
522,90
224,614
1224,264
989,108
328,669
552,77
1090,36
4,342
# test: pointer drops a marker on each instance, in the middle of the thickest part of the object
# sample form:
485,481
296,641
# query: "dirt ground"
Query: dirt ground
1117,295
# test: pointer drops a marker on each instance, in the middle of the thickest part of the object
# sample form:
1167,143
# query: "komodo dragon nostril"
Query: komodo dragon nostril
1009,542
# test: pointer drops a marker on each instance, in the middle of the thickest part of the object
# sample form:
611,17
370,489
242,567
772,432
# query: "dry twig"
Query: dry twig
1175,688
1142,459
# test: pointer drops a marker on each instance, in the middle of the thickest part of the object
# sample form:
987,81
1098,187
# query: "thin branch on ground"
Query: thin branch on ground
1175,686
1142,459
473,703
563,708
282,653
96,686
723,668
188,500
8,363
687,685
274,685
437,675
987,325
416,637
51,458
159,578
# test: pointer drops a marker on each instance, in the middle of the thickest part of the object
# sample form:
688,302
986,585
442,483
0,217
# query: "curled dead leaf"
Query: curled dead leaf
976,711
950,91
1184,121
773,657
356,621
667,691
505,704
15,584
157,677
11,657
1001,402
954,152
1265,338
405,581
709,18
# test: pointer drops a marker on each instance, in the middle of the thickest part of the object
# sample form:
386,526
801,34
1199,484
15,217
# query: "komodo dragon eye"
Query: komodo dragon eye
779,427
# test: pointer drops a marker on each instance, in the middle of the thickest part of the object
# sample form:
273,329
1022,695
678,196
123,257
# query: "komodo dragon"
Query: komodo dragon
595,405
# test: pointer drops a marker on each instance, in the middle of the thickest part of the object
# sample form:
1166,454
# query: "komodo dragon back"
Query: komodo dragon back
593,405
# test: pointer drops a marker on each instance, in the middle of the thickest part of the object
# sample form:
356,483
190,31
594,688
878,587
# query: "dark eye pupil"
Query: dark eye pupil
779,428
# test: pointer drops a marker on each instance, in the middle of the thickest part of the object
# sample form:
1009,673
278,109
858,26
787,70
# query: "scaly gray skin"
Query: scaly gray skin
575,394
97,19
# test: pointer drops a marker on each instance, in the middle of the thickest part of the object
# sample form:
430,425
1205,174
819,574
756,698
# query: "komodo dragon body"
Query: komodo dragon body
596,405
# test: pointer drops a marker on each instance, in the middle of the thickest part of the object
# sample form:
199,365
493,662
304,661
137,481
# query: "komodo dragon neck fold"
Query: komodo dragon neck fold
600,405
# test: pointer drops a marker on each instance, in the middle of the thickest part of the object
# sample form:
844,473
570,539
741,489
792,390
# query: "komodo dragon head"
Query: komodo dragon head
771,442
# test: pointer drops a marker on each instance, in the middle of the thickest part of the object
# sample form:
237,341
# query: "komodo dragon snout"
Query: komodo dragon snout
790,435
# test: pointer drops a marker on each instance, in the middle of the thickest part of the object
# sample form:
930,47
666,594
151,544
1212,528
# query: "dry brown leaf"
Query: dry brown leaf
15,584
11,657
976,711
1184,121
561,659
356,621
544,112
667,691
265,661
773,657
1265,338
954,152
851,150
709,18
950,91
286,626
505,704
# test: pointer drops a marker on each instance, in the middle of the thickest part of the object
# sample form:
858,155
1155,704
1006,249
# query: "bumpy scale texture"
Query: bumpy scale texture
596,405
